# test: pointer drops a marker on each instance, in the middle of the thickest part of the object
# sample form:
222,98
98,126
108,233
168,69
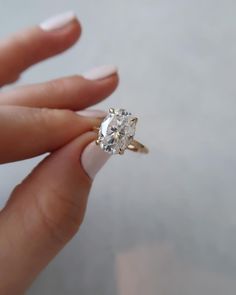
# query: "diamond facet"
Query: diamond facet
117,131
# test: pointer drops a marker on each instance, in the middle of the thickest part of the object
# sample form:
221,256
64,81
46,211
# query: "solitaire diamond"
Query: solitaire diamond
117,131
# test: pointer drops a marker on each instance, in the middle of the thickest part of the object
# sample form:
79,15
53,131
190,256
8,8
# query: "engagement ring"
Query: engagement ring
116,133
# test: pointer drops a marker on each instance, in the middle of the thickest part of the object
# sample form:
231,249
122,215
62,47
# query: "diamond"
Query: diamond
117,131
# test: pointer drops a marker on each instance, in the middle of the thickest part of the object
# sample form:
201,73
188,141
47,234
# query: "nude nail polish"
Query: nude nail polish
100,73
58,22
93,159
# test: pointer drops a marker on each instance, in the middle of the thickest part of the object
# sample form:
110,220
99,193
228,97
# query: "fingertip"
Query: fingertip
108,85
35,44
70,164
100,83
59,22
114,81
93,159
57,40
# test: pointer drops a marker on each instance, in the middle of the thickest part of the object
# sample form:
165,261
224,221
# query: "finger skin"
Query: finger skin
72,93
20,51
43,214
28,132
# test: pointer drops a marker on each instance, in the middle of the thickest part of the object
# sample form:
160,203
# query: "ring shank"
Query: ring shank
136,146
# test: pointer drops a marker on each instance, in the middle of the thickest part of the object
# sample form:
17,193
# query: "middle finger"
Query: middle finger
72,93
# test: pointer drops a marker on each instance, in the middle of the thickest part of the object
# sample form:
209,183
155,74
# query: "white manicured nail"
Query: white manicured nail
92,113
93,158
58,21
100,73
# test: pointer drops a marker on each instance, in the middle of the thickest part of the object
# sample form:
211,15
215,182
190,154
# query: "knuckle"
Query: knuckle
54,213
60,215
60,87
50,117
55,86
22,43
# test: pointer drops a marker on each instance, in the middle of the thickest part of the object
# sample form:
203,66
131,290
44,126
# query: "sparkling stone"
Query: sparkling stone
117,131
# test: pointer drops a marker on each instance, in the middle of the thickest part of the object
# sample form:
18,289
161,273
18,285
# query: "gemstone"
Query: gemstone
117,131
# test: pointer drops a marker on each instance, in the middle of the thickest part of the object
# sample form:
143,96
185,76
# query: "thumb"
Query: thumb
45,211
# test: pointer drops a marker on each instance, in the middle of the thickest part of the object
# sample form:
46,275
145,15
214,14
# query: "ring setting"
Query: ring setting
117,131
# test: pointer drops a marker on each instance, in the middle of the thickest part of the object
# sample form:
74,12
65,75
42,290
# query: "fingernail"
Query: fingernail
57,22
100,73
93,159
92,113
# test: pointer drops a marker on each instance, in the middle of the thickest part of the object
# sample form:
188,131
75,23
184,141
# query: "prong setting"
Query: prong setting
117,131
121,152
134,120
112,111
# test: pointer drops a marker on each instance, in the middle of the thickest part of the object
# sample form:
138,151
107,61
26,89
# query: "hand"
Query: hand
47,208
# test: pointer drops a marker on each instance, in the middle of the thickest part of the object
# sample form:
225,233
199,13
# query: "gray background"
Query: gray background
164,223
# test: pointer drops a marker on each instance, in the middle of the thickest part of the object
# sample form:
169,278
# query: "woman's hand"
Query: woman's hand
47,208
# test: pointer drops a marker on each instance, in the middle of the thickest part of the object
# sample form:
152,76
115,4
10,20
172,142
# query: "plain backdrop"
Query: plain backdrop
162,224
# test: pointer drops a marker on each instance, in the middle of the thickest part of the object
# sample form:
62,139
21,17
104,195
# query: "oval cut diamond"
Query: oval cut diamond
117,131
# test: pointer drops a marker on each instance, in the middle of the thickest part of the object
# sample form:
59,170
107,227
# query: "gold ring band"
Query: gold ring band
136,146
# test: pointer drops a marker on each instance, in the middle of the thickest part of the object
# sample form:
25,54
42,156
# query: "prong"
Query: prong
97,142
112,111
134,120
96,129
121,152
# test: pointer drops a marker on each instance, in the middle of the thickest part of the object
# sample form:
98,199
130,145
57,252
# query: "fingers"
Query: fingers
72,93
38,43
28,132
44,212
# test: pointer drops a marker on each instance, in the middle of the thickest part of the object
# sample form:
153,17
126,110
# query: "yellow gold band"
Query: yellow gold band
136,146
